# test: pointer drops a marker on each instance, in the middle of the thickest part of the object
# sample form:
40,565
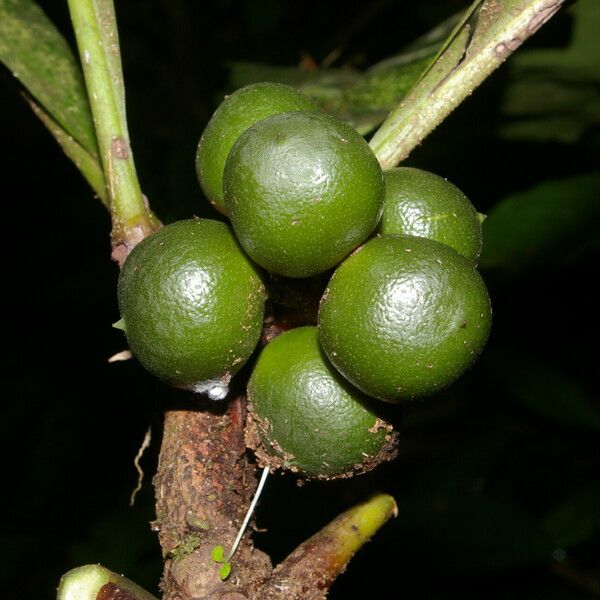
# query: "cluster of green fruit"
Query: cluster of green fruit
402,316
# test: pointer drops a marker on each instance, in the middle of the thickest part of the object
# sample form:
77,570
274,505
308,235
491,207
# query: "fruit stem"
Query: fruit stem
95,28
485,37
240,535
325,555
94,582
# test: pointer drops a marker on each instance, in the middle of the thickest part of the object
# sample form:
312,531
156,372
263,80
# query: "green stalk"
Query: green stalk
490,32
94,582
98,42
326,554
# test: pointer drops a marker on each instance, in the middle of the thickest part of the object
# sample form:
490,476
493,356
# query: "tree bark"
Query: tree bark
204,485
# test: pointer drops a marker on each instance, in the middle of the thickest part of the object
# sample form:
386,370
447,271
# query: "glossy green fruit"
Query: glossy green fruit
306,417
237,112
302,191
404,316
426,205
192,305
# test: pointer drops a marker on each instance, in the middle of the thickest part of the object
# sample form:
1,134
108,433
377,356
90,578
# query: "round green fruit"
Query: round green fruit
192,305
237,112
426,205
302,191
404,316
306,417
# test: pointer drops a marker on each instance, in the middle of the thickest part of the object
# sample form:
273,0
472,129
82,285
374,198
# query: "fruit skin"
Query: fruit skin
192,303
306,417
302,191
426,205
236,113
404,316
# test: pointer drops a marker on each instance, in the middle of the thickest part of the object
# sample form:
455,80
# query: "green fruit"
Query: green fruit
192,305
307,418
237,112
302,191
425,205
404,316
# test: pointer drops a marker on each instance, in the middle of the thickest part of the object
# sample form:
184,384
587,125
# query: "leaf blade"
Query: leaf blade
529,227
88,165
575,519
39,56
549,393
553,92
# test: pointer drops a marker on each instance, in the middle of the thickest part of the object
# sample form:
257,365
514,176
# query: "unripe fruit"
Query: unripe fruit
426,205
192,305
404,316
237,112
304,416
302,191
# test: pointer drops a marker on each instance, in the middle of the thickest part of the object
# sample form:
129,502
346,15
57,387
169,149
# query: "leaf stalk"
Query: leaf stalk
95,28
490,32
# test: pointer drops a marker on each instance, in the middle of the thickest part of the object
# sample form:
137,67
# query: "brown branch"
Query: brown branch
308,572
204,485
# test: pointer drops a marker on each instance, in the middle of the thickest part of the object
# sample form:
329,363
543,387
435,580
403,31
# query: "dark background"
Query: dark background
481,468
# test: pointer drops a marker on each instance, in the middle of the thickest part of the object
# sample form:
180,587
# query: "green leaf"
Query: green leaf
487,34
449,523
439,69
217,553
225,571
323,84
38,55
363,99
542,224
553,92
89,166
577,518
426,45
549,393
366,103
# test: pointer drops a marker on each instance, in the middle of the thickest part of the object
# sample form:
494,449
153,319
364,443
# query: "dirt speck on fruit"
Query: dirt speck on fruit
356,251
269,453
257,430
378,425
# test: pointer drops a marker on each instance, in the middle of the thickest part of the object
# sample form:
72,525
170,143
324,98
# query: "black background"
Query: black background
73,423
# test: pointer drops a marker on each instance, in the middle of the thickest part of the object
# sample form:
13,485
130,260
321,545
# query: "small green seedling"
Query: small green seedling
217,553
187,546
217,556
225,571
